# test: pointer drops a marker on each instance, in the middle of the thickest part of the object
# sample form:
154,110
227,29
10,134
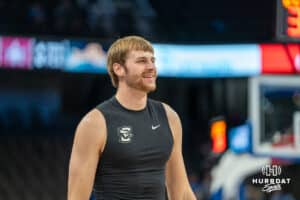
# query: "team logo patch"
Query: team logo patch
125,134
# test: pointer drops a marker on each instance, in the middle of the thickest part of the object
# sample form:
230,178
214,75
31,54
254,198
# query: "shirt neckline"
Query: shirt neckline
117,103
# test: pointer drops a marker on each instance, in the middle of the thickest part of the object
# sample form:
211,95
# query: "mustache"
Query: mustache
150,72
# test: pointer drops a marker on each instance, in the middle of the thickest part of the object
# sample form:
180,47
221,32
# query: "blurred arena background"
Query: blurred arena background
229,68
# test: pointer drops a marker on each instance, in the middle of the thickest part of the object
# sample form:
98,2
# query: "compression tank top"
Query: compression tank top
138,145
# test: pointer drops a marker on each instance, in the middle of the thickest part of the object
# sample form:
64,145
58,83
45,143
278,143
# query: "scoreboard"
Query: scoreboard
288,21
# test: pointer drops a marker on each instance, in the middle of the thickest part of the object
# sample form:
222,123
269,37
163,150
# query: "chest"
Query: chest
138,139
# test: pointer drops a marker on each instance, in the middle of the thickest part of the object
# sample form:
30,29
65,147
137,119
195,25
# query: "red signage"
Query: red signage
16,52
280,58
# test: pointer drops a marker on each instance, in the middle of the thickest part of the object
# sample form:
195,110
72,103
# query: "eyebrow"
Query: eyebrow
144,57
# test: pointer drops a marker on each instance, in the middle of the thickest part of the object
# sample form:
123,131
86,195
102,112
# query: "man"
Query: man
129,147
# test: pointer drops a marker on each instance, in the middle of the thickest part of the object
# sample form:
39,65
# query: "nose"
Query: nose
150,65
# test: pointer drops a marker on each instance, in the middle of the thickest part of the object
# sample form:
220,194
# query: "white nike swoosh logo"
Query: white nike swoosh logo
155,127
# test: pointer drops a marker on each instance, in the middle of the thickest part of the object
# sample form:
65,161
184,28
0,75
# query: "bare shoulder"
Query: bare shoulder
171,114
92,119
92,129
174,121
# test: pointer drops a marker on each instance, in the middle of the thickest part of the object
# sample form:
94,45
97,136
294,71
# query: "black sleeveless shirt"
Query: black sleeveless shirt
138,145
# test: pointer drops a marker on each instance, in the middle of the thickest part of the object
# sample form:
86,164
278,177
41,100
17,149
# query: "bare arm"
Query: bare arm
176,179
88,145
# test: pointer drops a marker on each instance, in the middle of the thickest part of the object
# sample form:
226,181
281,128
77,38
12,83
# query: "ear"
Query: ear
118,69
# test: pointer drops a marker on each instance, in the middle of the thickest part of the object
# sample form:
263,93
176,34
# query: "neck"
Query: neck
131,99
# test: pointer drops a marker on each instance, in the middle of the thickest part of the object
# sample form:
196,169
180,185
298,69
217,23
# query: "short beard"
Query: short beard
136,82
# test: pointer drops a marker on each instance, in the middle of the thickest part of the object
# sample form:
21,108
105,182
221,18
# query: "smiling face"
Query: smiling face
121,53
140,71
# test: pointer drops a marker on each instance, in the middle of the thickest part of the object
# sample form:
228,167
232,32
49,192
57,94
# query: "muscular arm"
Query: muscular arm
88,144
176,179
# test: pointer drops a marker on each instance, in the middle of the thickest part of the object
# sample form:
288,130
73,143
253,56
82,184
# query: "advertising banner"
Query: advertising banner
16,52
208,60
50,54
280,58
86,57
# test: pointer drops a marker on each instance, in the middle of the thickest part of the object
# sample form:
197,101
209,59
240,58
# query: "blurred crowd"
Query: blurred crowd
96,18
169,20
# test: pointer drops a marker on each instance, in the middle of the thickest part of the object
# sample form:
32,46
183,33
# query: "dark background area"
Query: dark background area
39,110
174,21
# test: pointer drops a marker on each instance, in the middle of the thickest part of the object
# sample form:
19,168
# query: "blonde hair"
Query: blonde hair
119,50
